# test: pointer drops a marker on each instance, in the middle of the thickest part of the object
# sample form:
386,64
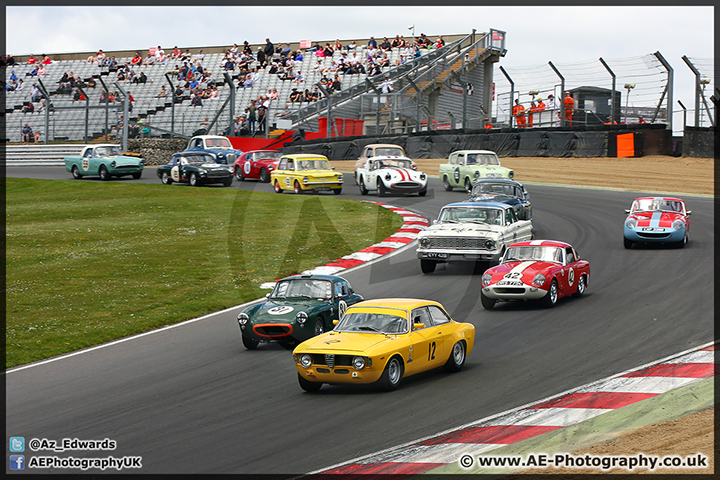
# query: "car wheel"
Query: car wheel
319,327
468,185
165,178
104,174
551,298
381,188
627,243
194,180
76,173
250,343
297,187
580,287
446,184
227,182
427,266
239,173
392,375
422,192
337,191
137,175
363,190
264,176
487,302
683,242
307,385
457,358
277,187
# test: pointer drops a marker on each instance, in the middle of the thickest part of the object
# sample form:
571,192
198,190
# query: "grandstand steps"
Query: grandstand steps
39,155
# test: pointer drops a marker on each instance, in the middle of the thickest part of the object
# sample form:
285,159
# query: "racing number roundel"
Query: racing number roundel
571,277
86,164
342,308
456,175
280,310
246,168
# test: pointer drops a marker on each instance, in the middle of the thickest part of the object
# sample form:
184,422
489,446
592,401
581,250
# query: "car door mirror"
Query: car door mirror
627,211
335,322
689,212
418,326
267,295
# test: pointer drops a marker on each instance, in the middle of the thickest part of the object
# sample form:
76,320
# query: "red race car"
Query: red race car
256,164
544,270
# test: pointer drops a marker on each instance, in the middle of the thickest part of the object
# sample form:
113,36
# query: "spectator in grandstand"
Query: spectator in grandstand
19,87
248,82
131,77
569,105
423,41
27,134
337,45
439,43
199,57
35,95
229,64
195,100
91,82
328,50
295,96
286,51
9,60
269,49
112,64
252,115
32,60
416,52
46,60
298,56
401,60
336,83
176,53
29,108
41,71
185,56
121,76
162,93
261,58
136,59
11,85
372,43
385,45
383,61
373,70
371,52
13,76
299,77
142,78
97,58
351,46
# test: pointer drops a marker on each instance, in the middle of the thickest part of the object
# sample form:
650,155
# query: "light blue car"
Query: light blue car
657,220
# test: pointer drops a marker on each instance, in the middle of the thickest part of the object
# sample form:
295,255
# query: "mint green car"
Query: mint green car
465,166
105,161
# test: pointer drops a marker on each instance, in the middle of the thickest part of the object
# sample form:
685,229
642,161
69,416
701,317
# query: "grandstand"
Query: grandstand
428,89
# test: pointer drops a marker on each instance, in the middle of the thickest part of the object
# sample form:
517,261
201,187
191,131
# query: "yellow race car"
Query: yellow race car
302,172
383,341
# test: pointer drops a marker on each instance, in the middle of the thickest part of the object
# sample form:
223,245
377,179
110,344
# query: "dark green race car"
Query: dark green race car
195,168
298,308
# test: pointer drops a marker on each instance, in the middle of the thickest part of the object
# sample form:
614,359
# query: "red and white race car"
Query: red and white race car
391,174
544,270
257,164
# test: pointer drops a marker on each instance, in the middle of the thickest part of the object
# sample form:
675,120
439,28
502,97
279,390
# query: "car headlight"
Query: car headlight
422,176
301,318
113,164
425,242
486,279
305,180
305,360
231,170
477,174
511,174
142,163
270,168
339,178
243,318
631,222
358,363
202,172
388,176
678,224
539,280
490,244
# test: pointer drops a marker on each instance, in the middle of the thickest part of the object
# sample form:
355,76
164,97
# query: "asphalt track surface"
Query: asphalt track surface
191,399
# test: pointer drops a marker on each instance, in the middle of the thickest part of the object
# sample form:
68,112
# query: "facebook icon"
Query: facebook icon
17,462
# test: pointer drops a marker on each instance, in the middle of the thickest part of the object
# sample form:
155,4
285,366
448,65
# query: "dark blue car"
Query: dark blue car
218,145
505,191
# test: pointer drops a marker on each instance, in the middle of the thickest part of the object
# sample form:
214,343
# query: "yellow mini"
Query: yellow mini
383,341
303,172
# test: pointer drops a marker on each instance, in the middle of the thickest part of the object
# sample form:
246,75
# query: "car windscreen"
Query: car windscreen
393,151
534,253
199,159
394,163
302,288
313,165
474,214
657,205
107,151
268,156
497,188
482,159
218,143
372,322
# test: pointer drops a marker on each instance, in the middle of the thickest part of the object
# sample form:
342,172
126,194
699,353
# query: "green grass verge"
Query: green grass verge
89,262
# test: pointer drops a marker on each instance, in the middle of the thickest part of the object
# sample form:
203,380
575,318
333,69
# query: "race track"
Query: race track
191,399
